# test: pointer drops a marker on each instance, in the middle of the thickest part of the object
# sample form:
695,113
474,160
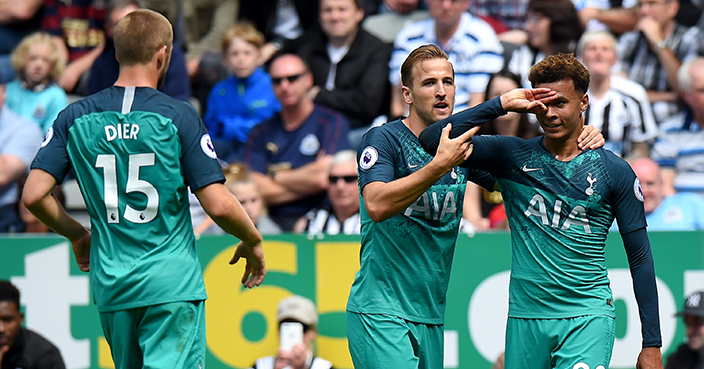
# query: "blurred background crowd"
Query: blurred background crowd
287,88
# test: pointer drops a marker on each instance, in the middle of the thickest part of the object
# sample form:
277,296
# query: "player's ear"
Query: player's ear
406,93
584,103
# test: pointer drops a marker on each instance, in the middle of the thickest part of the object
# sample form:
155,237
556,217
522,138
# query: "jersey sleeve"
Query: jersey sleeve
198,157
626,196
640,261
461,123
52,156
376,158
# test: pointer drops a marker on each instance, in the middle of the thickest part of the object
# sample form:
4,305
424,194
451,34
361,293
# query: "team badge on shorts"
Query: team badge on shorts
638,190
49,135
368,157
309,145
206,144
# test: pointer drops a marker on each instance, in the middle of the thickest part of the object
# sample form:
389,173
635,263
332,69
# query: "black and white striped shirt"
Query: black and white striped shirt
641,64
623,115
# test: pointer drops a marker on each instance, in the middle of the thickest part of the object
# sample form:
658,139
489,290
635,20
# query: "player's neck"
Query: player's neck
137,75
564,149
414,123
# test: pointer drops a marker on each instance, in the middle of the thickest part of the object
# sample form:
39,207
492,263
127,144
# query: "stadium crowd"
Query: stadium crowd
284,125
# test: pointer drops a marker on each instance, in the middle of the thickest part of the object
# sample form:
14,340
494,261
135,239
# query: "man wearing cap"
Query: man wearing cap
296,309
690,355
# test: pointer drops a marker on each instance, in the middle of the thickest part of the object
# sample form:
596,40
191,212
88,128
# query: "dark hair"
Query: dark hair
8,292
525,128
565,27
560,67
306,68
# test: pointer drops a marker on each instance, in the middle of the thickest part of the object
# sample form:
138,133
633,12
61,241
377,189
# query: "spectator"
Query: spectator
510,13
243,100
280,20
680,148
690,355
77,30
206,22
35,95
471,43
553,27
349,65
105,69
18,19
240,182
290,153
401,7
296,309
618,106
19,142
617,16
19,346
342,216
683,211
652,53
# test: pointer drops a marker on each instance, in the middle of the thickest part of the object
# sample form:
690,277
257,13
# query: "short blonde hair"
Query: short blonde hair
140,35
245,31
19,55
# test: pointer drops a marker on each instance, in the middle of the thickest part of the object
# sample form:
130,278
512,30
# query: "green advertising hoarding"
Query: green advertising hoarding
241,323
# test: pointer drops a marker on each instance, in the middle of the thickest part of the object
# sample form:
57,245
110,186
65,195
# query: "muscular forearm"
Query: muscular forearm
227,212
385,200
39,201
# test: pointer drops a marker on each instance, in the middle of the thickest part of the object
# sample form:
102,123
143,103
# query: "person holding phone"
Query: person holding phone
297,318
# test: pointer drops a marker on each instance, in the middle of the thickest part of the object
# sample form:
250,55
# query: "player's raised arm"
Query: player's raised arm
518,100
384,200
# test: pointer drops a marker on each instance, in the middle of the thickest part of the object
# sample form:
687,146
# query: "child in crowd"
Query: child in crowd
244,99
35,94
242,185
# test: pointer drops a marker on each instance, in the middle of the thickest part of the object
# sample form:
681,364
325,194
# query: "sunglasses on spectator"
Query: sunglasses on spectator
347,179
293,78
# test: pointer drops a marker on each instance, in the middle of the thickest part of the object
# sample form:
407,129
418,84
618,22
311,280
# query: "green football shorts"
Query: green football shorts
583,342
386,341
164,336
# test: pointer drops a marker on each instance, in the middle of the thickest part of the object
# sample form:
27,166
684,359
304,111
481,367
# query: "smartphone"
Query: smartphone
291,333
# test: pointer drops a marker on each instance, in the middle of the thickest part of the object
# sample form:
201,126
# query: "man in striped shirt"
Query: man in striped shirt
680,148
618,107
471,43
652,53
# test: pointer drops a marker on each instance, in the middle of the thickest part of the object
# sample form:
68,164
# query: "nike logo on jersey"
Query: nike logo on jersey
526,169
413,166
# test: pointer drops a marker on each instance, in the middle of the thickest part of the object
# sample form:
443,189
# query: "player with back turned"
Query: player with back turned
134,151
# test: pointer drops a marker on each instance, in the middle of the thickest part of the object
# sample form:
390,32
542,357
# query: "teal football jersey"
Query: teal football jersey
134,151
560,214
406,259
